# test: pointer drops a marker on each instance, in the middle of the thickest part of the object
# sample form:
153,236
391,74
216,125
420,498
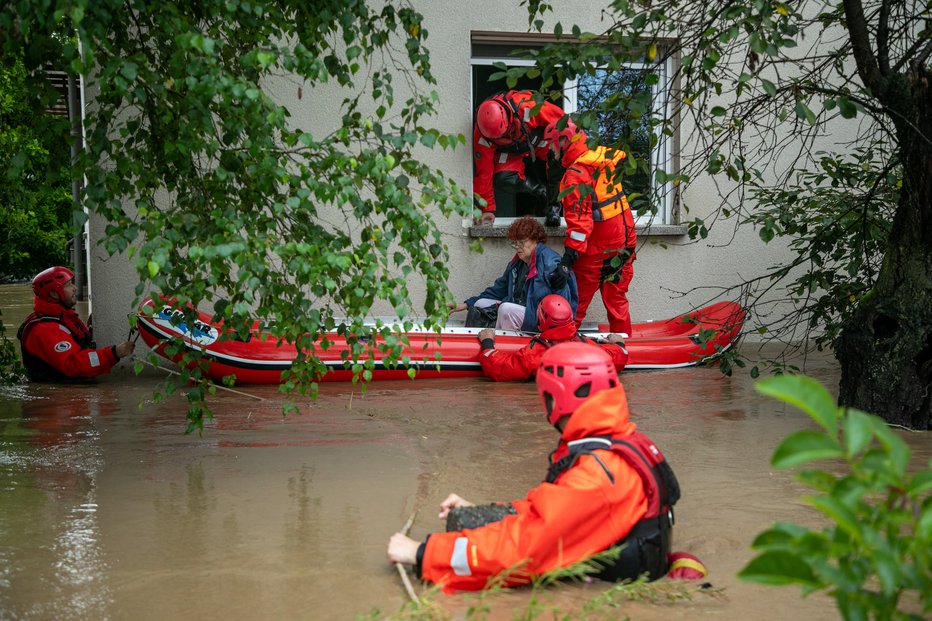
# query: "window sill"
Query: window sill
653,230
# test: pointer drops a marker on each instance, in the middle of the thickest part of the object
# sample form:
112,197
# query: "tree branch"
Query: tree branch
861,47
883,37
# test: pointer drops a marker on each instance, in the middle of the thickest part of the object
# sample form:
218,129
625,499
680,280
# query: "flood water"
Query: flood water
109,511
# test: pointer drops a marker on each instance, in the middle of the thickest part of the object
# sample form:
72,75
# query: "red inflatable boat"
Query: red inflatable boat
453,352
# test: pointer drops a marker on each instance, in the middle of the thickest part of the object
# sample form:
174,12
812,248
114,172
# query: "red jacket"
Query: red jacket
485,154
557,524
522,363
585,232
56,345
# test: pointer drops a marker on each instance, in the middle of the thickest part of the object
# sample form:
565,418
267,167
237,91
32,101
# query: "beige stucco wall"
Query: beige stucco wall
661,274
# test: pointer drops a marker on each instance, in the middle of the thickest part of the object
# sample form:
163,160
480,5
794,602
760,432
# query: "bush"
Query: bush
35,190
879,544
11,369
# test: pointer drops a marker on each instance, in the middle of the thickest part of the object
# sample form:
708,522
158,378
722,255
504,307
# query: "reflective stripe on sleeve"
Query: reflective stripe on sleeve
459,562
94,358
484,142
578,236
64,329
502,158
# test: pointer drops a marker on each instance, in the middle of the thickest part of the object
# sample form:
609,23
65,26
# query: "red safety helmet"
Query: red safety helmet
52,279
554,312
495,119
553,134
570,373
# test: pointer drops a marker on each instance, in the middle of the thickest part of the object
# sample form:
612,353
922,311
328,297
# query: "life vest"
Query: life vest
609,200
38,369
646,547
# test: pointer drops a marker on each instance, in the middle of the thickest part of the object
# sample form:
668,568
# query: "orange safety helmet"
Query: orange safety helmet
570,373
554,312
52,279
495,120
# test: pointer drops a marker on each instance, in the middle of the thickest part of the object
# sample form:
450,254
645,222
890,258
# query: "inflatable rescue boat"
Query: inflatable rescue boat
453,352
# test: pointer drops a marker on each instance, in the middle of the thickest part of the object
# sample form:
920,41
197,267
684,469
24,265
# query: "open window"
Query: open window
654,146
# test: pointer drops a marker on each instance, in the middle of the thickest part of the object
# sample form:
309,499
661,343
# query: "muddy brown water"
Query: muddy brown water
108,511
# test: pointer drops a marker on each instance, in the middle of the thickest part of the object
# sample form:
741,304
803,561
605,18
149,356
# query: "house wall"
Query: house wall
672,274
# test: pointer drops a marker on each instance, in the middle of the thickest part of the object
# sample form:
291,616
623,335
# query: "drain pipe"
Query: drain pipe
78,250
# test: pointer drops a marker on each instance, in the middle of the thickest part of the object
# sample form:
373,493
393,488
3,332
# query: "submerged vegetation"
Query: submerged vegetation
539,604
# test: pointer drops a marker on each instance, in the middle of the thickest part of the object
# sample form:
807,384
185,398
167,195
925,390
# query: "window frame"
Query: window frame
662,155
666,222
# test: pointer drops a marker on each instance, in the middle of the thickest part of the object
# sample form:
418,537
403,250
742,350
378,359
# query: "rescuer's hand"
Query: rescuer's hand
486,219
452,501
402,549
569,257
124,349
558,277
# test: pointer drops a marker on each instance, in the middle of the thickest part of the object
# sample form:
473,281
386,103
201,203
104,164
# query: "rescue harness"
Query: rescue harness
645,549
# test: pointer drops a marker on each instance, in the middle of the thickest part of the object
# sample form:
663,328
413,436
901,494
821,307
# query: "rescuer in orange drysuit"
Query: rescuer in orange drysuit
599,224
555,322
606,485
55,343
506,133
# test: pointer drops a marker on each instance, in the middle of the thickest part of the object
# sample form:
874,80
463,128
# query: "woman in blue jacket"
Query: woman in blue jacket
533,273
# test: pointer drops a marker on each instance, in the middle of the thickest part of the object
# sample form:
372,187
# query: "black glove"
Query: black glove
558,277
552,214
537,190
569,257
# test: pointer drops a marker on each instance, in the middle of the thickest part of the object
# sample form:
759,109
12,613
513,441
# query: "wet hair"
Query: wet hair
527,228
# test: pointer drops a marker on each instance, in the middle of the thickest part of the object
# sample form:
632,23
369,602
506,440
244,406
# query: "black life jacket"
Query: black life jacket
647,546
37,369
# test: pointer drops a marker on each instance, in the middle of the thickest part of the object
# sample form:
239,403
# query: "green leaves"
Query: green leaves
877,547
803,447
35,184
836,218
11,369
806,394
779,568
228,191
803,112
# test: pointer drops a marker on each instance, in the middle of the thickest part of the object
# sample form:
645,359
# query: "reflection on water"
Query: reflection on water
109,512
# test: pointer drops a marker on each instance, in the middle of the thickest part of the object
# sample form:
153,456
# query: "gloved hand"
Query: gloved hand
552,214
569,257
537,190
558,277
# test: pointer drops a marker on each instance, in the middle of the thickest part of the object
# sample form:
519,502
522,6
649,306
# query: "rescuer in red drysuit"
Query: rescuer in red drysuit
506,133
555,321
599,224
56,345
606,485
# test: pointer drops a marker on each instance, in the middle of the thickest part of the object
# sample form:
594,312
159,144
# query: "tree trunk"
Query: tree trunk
885,349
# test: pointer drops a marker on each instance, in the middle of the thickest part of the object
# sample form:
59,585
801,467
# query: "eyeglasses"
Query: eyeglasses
520,243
